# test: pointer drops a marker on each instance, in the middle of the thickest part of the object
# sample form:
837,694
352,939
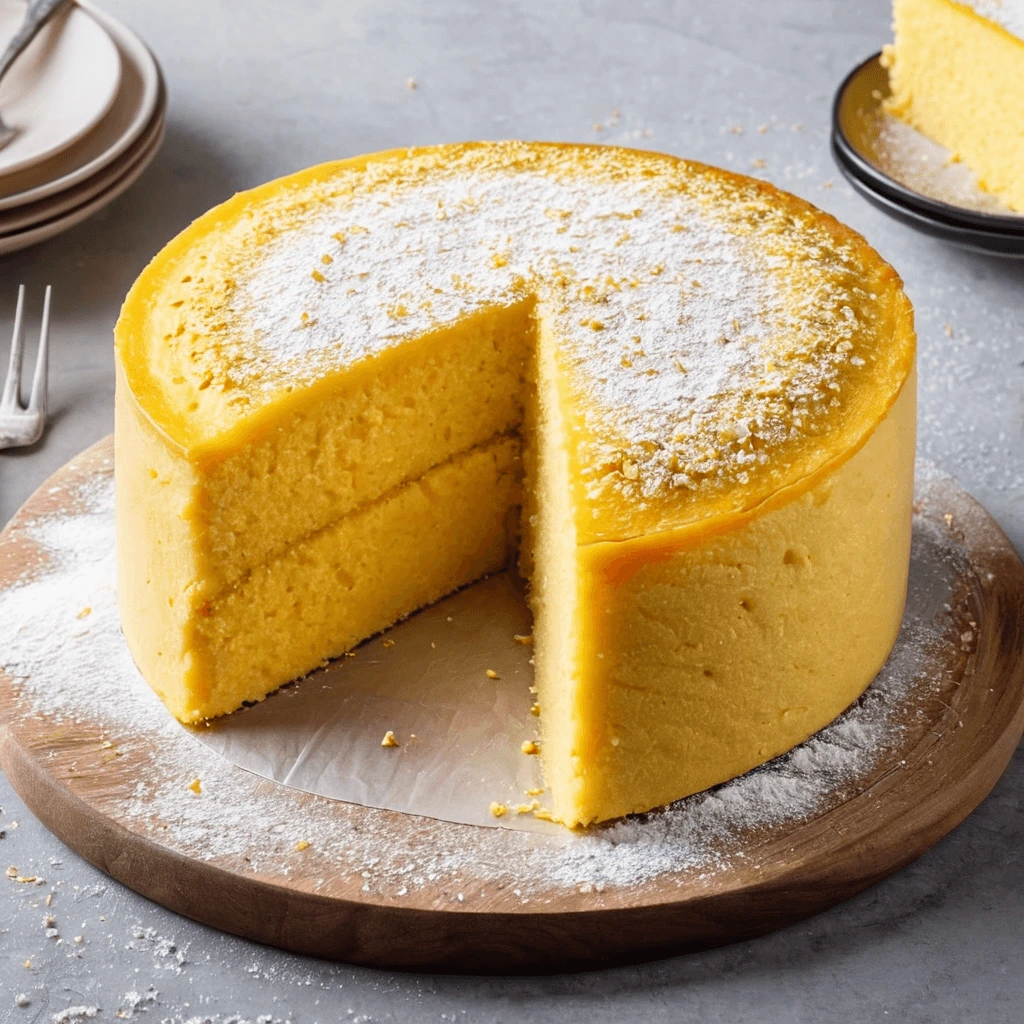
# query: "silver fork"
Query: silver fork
38,14
20,425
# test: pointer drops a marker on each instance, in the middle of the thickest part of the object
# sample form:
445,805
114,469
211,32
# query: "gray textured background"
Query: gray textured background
267,86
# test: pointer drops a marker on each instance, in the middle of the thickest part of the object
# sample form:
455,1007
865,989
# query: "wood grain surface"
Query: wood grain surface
314,901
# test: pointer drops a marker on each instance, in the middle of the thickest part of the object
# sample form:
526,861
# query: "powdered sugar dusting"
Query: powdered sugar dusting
66,652
706,327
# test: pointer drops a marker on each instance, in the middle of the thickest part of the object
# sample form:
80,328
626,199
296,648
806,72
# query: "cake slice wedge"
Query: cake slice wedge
956,71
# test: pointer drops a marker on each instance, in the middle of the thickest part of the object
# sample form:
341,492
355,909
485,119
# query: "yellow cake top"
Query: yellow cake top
718,339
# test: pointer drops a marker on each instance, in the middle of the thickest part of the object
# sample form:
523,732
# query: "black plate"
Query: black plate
991,243
859,127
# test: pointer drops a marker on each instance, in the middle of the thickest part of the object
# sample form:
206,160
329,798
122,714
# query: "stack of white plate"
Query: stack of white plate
89,103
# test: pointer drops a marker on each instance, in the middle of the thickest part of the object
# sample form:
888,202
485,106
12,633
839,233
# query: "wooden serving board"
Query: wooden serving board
371,886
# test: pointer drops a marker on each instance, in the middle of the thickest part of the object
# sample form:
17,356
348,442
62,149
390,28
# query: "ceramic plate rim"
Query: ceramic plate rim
58,145
20,219
131,47
18,240
963,236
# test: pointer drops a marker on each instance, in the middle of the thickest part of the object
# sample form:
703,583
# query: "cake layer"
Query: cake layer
959,78
334,588
384,422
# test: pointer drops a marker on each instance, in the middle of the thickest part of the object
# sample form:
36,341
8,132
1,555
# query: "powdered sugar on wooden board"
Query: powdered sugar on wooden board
66,654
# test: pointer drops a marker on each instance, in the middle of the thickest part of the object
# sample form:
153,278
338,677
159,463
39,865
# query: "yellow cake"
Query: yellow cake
336,391
956,72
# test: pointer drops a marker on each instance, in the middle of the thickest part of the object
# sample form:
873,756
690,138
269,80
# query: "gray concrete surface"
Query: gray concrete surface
264,87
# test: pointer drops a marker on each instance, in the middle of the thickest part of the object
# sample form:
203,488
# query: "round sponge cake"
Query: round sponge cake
685,396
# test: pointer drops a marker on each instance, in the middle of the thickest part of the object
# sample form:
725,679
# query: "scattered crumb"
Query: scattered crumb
525,639
527,808
491,674
498,810
410,83
21,999
758,163
948,516
829,183
762,128
79,939
301,845
196,786
387,643
736,129
535,710
133,1000
529,747
389,740
948,328
87,610
75,1013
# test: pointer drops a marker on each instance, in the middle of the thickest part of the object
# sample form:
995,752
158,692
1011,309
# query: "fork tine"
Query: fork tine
37,400
12,386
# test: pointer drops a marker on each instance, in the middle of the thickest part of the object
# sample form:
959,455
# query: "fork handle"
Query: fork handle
38,14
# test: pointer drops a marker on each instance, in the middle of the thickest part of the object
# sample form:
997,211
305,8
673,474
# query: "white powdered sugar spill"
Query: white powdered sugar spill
64,648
